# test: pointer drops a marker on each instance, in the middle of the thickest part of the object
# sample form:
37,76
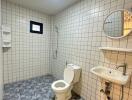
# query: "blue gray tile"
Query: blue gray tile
38,88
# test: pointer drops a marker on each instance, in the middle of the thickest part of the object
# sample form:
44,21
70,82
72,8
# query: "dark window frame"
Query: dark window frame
36,23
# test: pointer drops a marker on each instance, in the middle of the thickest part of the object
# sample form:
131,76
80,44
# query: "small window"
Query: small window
36,27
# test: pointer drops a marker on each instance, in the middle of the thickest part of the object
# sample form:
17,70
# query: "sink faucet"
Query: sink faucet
124,68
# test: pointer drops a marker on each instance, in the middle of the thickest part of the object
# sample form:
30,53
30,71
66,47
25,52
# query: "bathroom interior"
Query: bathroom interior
65,49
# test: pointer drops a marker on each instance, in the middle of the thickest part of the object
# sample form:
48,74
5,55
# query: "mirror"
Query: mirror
118,24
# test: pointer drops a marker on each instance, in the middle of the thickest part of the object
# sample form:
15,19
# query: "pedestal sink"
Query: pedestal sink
111,75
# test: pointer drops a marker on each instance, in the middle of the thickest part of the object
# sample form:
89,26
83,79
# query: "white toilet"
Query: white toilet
62,88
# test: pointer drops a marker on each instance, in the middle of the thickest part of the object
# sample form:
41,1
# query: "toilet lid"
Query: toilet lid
68,74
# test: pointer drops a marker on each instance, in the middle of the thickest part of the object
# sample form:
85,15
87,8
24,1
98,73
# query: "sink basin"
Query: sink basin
111,75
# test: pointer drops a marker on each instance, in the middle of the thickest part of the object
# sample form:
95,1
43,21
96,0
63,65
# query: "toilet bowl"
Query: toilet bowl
62,88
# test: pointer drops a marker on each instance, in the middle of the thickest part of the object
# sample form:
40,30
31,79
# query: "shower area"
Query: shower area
26,63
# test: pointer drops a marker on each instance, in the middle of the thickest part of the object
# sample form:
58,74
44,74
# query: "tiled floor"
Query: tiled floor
38,88
33,89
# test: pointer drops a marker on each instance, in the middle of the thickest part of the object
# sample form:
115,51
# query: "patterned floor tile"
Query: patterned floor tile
33,89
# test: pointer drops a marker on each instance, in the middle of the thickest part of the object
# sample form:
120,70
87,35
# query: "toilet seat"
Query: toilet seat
60,86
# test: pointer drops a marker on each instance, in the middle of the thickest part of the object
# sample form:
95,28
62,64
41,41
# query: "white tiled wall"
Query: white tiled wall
1,64
80,35
29,55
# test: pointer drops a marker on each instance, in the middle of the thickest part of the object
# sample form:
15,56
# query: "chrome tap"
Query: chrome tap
124,68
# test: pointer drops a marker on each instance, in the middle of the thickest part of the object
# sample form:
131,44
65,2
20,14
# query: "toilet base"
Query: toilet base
63,96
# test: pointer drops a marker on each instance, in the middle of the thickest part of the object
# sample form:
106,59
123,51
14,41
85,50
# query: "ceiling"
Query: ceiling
50,7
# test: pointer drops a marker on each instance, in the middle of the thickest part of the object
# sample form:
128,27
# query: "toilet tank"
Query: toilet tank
77,72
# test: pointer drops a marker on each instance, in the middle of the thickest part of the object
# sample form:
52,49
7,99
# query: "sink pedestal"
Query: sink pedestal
108,86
